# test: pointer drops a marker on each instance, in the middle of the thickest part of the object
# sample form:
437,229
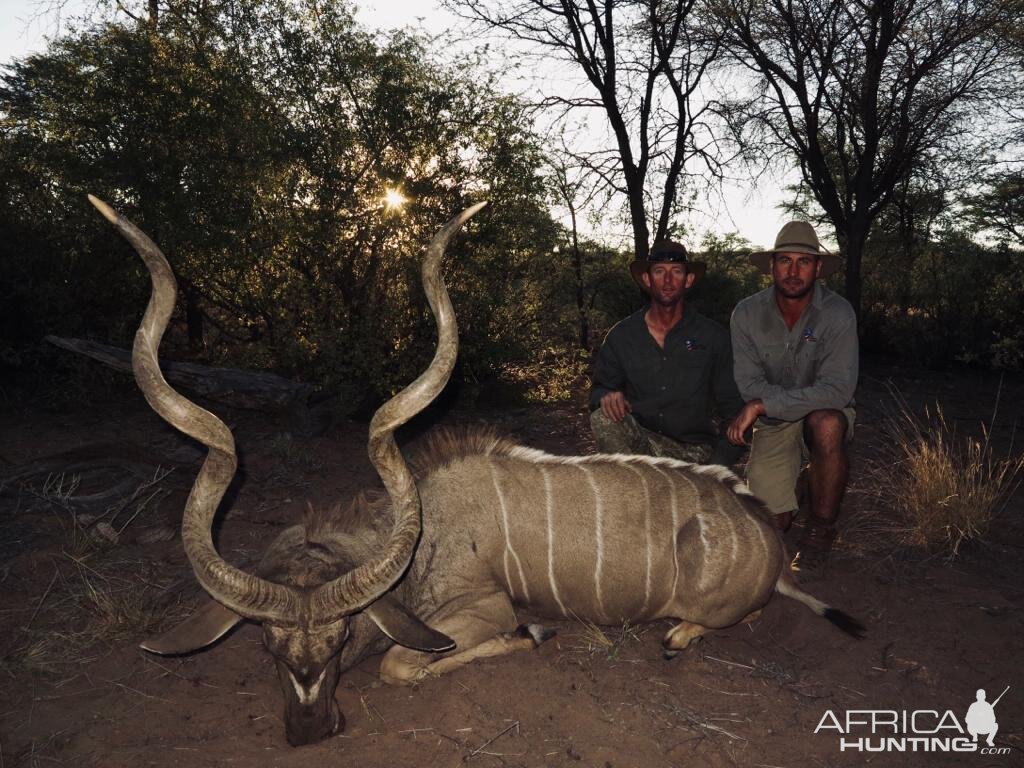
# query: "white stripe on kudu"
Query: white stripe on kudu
598,537
733,538
675,526
509,550
647,539
551,539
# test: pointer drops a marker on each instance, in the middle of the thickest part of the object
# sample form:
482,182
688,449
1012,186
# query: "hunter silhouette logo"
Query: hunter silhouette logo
918,730
981,717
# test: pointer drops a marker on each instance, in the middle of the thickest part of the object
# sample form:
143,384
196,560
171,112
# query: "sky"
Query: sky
747,208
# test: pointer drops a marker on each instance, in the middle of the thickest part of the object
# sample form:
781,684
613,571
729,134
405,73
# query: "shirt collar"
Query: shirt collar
819,294
688,315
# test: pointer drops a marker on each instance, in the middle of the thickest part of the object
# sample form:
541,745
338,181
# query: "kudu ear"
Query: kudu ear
398,623
205,626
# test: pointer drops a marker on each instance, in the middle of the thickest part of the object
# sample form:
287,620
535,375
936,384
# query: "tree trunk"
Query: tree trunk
581,306
855,238
641,233
310,410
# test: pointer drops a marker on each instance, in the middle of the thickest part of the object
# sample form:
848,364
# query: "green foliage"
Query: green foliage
255,142
730,277
256,148
953,299
999,207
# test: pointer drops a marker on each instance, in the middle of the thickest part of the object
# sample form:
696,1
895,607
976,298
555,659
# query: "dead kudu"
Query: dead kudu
431,572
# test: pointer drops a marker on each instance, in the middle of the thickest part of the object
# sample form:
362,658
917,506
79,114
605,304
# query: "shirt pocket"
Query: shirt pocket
773,358
808,360
645,379
690,374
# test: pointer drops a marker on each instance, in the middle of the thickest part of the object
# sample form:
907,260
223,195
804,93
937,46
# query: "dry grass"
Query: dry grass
593,639
932,489
293,453
88,530
84,611
95,596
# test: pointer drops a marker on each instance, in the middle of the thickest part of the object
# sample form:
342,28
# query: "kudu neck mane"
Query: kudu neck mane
369,516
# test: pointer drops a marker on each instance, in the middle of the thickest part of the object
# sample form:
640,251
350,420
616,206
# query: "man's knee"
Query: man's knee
602,425
825,429
774,481
613,436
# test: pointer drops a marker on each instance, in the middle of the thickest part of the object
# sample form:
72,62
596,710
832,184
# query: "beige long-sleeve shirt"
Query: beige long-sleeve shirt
794,372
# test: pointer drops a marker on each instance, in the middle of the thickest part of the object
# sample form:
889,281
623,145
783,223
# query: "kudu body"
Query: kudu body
600,538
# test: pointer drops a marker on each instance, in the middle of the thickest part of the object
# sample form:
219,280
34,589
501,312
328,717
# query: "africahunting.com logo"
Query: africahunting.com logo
918,730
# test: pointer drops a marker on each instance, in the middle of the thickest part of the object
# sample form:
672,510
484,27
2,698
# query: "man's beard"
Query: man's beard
795,293
669,300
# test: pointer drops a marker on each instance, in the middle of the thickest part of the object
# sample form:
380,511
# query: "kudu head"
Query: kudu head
304,593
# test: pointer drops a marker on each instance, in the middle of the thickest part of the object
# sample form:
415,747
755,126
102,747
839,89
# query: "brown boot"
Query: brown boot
782,521
815,544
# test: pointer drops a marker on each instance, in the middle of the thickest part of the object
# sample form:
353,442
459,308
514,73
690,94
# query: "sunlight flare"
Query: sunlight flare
394,199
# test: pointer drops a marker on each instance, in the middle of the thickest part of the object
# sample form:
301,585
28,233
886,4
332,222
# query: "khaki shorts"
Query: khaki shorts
777,452
627,436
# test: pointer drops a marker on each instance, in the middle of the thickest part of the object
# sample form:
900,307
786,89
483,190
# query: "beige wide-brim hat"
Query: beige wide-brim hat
666,251
796,237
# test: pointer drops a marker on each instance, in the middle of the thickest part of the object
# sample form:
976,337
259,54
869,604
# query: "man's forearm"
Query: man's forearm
597,391
794,404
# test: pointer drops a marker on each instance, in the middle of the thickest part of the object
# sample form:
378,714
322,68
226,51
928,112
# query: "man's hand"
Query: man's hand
615,406
744,420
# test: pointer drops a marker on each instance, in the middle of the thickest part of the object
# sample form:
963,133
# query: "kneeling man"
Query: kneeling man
795,359
663,371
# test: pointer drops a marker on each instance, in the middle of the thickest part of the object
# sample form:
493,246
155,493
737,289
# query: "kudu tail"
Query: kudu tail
786,585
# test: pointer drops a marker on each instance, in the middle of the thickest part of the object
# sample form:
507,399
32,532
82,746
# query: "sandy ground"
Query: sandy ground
73,606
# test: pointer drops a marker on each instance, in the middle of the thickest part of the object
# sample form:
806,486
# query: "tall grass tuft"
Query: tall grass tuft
934,489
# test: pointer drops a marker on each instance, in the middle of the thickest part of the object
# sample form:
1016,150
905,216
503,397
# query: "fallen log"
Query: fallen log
310,410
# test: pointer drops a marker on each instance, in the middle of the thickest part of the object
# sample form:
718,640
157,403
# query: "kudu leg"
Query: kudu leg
685,632
483,628
680,636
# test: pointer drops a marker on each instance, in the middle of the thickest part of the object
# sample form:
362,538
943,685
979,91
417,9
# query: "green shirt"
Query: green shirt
794,372
673,391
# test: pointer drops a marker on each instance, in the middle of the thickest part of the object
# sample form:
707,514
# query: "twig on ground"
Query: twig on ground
136,691
730,663
371,710
706,724
727,693
56,572
415,731
492,740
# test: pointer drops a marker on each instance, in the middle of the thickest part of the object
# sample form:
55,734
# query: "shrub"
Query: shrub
933,489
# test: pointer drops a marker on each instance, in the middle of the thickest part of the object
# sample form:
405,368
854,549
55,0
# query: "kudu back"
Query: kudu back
429,571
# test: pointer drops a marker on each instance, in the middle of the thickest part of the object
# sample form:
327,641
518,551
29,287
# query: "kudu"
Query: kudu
433,570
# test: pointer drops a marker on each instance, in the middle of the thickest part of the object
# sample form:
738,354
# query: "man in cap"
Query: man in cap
795,359
662,371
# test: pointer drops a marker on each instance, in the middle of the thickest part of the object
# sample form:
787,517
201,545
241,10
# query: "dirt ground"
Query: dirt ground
84,581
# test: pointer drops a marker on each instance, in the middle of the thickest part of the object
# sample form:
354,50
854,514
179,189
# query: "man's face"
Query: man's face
795,273
667,282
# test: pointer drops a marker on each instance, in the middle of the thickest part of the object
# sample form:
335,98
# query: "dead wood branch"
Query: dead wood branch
310,410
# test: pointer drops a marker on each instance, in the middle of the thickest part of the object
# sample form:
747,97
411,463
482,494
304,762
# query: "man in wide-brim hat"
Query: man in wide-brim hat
663,373
795,357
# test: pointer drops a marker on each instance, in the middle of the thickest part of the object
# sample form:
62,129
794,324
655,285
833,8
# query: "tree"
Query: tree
1000,206
256,148
646,62
574,192
859,93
